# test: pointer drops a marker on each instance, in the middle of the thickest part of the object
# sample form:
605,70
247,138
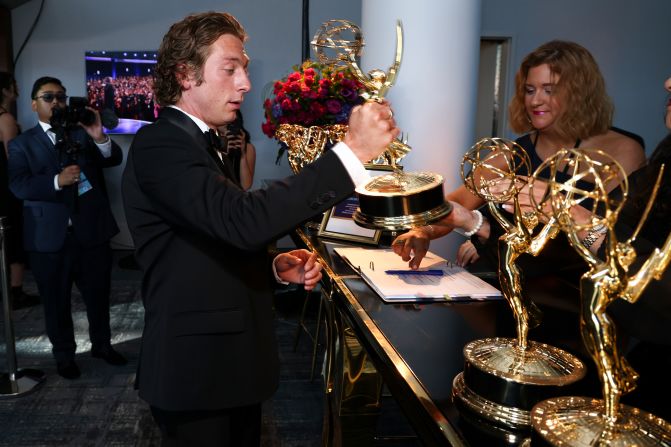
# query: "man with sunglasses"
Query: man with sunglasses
67,221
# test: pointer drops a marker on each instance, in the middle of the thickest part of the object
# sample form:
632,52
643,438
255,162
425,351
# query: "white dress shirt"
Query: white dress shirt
105,147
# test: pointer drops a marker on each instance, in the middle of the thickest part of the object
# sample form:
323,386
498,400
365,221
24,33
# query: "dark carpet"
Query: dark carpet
101,408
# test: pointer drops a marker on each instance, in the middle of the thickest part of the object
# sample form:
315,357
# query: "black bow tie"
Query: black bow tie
215,141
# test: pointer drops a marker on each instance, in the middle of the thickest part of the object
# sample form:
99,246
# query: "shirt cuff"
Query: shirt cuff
352,164
106,147
277,277
56,187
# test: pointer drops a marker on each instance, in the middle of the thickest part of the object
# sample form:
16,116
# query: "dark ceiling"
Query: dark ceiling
9,4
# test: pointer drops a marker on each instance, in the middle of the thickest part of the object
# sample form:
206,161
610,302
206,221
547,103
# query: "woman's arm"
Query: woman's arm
8,130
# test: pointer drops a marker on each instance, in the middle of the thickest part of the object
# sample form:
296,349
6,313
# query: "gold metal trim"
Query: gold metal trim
509,416
402,222
583,422
539,364
401,367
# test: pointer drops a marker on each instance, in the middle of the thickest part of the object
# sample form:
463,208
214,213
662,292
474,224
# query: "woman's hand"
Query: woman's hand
467,254
299,267
413,245
460,217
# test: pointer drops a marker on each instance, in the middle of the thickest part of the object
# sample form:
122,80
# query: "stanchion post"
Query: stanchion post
14,382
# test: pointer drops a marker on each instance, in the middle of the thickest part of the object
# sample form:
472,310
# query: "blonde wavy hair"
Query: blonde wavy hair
586,108
185,48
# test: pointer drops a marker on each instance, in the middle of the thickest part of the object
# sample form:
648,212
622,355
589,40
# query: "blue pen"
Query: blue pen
415,272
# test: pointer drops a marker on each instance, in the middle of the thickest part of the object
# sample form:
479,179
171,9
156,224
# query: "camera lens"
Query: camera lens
86,117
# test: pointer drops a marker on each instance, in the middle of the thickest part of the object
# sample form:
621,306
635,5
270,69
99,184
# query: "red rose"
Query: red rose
333,106
277,87
311,95
286,105
317,109
268,129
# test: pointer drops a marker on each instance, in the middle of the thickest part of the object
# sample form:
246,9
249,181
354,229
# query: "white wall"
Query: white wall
630,40
68,28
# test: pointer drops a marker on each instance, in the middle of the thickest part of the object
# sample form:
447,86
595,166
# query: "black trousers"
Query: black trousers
90,269
232,427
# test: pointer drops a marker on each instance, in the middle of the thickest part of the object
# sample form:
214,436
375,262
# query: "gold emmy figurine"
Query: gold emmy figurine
582,421
399,200
345,39
504,378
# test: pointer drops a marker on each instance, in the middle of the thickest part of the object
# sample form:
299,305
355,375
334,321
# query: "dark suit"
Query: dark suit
208,340
59,253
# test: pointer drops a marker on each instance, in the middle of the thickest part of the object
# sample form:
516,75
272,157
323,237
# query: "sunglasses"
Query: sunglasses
49,97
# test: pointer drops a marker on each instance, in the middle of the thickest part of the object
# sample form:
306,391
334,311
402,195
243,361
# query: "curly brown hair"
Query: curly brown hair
6,82
587,109
185,48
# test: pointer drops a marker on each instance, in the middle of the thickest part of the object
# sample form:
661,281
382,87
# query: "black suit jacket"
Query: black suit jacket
200,240
33,164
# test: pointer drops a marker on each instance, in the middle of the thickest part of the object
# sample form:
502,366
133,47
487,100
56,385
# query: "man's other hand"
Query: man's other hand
299,267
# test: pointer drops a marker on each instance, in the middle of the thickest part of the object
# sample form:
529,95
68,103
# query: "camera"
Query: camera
72,114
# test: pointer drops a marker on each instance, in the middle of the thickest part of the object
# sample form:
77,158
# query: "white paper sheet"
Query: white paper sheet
455,284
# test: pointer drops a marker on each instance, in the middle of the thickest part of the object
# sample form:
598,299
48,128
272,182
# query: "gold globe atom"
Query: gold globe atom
335,40
495,162
591,167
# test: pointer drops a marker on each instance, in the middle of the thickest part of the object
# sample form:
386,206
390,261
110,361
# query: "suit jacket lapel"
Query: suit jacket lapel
49,148
187,125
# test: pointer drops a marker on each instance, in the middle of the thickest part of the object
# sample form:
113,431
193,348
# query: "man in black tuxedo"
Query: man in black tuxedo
56,169
209,355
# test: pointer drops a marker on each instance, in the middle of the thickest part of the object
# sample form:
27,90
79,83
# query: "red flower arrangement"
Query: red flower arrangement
312,95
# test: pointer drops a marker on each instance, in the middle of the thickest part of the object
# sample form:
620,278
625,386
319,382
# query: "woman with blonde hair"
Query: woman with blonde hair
560,102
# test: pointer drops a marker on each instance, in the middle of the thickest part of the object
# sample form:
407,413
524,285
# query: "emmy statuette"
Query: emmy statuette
584,421
504,378
399,200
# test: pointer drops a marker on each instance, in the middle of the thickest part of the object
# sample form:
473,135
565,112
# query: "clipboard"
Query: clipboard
455,284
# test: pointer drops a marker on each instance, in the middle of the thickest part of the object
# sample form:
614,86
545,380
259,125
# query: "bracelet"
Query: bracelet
106,140
478,224
593,235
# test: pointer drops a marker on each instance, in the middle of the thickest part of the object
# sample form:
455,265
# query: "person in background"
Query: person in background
209,355
658,224
10,206
644,326
56,169
240,151
560,102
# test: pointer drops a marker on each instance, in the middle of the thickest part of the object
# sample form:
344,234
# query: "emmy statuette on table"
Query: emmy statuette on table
504,378
399,200
585,421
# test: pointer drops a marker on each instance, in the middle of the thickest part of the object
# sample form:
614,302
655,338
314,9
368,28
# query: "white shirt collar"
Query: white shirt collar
200,123
45,126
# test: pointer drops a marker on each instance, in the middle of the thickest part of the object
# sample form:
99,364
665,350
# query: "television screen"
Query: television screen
121,81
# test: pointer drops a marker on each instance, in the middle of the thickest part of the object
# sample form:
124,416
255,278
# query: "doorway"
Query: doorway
491,105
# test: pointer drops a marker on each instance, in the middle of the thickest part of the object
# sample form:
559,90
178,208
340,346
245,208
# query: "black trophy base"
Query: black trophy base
401,201
470,402
502,382
481,432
